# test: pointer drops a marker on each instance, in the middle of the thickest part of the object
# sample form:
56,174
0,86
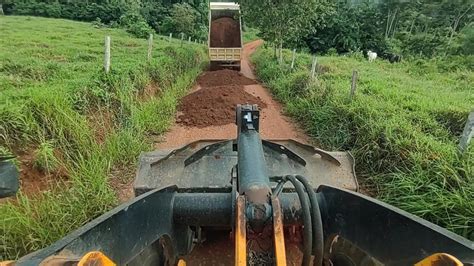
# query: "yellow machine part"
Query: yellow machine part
240,233
95,258
278,235
440,259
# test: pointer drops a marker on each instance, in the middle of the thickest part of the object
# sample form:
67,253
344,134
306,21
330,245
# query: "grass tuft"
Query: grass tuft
45,159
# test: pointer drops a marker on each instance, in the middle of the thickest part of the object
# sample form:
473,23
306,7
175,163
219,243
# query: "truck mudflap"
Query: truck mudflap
208,164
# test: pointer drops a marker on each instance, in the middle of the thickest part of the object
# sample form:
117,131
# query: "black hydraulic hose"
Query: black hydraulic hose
308,234
317,222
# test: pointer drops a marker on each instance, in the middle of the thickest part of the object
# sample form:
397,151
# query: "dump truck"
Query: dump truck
225,35
263,196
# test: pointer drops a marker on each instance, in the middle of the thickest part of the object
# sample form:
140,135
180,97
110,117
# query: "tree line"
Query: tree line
422,28
139,17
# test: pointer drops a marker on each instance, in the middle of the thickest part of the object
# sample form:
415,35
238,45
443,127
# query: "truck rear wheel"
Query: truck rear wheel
214,66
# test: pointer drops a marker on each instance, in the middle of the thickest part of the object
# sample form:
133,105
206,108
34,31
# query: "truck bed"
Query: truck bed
225,34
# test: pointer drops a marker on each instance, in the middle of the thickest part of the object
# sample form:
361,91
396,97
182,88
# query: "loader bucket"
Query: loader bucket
208,165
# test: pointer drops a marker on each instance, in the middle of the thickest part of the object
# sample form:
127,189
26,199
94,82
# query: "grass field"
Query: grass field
403,127
76,125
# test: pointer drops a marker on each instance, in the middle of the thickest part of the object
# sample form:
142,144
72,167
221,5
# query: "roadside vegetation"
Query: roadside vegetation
249,35
403,126
75,125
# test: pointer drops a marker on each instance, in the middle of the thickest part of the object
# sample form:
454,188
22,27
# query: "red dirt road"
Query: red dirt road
273,125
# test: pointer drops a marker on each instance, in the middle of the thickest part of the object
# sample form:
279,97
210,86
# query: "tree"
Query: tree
154,12
349,28
467,39
279,21
182,19
457,19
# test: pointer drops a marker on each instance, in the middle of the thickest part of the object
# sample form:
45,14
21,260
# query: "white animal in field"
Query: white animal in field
371,55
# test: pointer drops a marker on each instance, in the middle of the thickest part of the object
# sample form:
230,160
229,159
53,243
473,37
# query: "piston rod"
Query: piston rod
215,209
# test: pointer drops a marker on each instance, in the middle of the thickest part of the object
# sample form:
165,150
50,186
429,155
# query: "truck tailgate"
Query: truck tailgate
225,54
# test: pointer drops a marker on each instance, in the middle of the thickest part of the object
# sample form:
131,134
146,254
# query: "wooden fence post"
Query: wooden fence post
171,36
468,133
150,47
189,39
182,38
313,67
107,54
280,55
293,59
354,83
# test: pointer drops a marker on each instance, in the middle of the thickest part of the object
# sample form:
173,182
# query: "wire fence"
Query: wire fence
170,39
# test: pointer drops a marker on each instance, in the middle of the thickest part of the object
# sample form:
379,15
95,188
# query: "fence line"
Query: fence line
468,132
107,46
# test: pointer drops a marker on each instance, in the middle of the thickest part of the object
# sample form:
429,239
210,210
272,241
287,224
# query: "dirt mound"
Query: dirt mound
214,106
225,32
223,78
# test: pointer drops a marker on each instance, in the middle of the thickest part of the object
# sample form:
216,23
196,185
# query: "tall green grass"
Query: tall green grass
403,127
52,89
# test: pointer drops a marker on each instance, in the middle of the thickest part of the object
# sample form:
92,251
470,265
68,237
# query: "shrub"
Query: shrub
135,24
331,51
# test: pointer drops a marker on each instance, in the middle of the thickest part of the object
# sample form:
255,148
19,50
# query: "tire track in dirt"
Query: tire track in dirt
273,124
